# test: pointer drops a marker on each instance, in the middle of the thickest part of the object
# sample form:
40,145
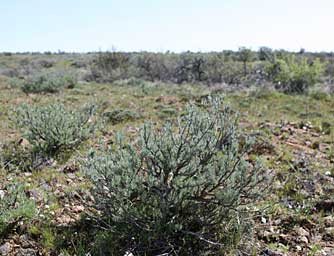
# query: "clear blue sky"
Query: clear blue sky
160,25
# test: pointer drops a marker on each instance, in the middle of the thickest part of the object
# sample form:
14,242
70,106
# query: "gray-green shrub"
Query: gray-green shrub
120,115
54,127
177,190
50,82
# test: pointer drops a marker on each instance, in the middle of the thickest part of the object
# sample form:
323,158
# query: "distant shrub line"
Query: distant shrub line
286,71
290,73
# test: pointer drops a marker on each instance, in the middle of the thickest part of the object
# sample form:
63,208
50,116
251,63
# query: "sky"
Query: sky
161,25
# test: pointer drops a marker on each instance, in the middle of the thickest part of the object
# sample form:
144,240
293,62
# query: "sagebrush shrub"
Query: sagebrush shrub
54,127
14,207
120,115
48,83
178,190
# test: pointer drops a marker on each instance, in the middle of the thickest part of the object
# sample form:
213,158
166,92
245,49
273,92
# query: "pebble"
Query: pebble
302,232
5,249
304,239
78,208
2,194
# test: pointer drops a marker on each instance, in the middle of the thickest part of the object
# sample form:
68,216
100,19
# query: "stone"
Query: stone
26,252
304,239
269,252
329,231
2,194
78,208
71,176
5,249
329,221
35,195
302,232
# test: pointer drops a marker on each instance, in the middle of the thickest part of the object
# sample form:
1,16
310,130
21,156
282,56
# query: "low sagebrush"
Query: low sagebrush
50,82
54,127
177,190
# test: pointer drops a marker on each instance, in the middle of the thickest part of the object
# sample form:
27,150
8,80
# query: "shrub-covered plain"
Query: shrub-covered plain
80,177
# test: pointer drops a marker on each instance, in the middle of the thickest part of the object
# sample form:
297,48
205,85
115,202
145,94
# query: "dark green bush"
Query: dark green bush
245,55
295,76
177,190
50,129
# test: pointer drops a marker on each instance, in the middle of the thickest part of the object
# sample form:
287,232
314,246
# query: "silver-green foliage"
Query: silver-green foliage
50,82
14,207
54,127
176,189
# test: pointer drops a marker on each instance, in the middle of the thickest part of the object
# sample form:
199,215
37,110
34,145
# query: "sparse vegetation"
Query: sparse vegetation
15,207
44,135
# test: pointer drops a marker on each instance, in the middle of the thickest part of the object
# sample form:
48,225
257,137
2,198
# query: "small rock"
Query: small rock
302,232
71,176
78,208
304,239
2,194
24,143
26,252
329,221
132,129
59,193
329,231
268,252
24,241
64,220
35,195
46,186
5,249
328,173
